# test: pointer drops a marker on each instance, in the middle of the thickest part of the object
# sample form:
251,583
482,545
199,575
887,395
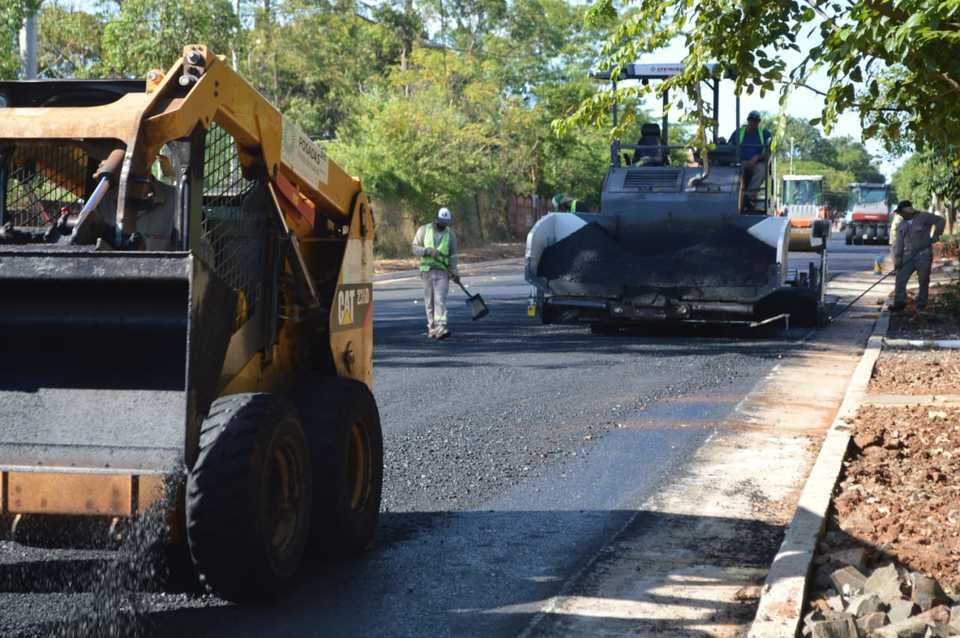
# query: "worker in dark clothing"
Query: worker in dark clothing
754,142
913,252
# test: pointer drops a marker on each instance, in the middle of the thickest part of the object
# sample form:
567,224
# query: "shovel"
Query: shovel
477,307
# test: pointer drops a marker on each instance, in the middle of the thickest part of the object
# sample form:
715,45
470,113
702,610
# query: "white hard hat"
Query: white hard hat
444,216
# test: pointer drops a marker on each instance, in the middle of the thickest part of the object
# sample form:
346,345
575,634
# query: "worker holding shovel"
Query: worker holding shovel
913,252
436,246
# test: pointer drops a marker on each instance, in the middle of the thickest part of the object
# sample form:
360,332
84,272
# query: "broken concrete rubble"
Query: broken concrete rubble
848,580
901,610
890,605
837,628
871,621
915,626
885,583
926,591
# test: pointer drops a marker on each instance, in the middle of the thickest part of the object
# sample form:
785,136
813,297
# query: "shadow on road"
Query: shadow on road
508,330
475,574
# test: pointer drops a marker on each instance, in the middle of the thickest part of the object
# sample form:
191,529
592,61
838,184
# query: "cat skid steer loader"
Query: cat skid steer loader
186,322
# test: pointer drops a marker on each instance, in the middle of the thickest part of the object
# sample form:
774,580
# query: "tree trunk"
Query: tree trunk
271,49
476,206
406,49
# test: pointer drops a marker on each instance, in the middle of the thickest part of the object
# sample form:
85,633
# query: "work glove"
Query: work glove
897,265
456,279
429,252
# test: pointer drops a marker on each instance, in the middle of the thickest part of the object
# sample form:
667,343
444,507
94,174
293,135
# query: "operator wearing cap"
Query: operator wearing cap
754,142
913,252
436,246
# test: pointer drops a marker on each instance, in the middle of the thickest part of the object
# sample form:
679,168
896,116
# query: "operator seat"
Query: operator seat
649,136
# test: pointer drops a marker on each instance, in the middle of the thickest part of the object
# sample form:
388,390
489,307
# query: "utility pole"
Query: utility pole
235,57
28,46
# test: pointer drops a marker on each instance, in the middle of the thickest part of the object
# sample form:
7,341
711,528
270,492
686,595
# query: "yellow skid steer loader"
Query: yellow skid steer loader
186,322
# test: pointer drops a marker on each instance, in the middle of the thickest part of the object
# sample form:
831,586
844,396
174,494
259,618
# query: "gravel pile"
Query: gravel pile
593,256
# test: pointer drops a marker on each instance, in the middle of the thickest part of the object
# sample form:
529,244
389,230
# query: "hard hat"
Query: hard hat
903,204
753,115
444,216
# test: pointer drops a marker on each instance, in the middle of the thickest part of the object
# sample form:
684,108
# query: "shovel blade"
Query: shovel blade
478,309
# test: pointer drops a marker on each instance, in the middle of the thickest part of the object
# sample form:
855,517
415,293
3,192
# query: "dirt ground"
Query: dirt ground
941,321
900,494
917,372
489,252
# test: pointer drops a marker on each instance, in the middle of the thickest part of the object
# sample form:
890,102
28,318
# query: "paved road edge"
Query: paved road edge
784,591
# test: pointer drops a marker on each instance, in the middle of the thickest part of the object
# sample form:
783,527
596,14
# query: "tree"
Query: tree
150,34
852,156
895,62
929,182
12,15
69,42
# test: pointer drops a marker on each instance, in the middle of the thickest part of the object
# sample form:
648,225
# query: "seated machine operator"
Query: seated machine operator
754,142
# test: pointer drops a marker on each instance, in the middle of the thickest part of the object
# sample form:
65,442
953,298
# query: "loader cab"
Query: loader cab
646,167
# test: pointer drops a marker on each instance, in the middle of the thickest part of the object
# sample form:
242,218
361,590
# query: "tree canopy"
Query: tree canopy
432,102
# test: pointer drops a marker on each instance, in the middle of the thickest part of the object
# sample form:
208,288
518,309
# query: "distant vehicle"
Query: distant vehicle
868,217
801,199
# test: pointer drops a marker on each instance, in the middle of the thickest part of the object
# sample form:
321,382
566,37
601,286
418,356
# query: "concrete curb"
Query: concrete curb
784,592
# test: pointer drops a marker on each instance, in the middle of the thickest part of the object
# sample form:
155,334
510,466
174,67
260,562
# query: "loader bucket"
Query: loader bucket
105,371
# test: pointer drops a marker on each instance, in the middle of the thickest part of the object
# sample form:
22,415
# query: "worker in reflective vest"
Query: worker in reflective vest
436,246
754,142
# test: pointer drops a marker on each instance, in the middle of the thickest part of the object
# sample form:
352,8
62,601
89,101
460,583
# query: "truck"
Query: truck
867,220
688,242
186,327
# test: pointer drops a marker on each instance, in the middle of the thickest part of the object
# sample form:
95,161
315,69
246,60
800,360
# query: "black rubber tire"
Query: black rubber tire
603,328
848,240
858,241
233,526
547,314
347,492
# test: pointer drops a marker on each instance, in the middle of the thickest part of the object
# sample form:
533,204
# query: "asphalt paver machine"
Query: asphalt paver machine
685,242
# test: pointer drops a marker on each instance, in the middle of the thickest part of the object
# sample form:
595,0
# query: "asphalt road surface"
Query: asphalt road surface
506,469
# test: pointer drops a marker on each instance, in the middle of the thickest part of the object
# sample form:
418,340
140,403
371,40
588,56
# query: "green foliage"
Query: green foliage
925,175
896,63
459,117
12,14
150,34
69,42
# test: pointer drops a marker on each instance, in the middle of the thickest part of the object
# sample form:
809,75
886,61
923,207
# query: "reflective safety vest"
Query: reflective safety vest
763,135
441,260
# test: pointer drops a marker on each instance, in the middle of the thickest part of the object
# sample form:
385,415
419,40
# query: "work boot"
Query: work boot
442,332
432,332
